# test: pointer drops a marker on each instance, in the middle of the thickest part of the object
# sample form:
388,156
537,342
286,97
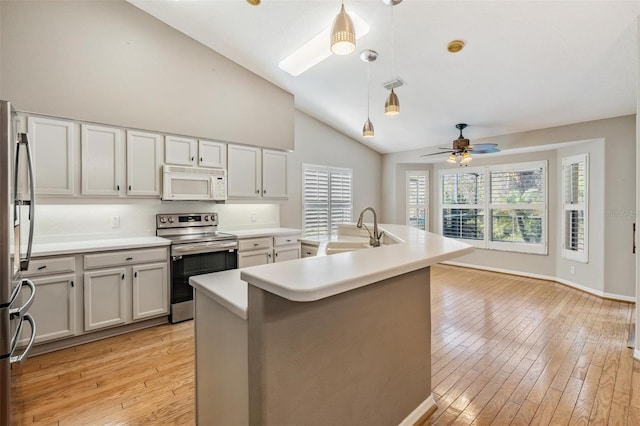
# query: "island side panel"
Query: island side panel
359,357
222,394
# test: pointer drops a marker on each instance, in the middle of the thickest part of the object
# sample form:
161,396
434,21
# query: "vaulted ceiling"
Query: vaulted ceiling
526,64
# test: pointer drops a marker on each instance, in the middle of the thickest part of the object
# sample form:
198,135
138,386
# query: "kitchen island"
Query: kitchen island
341,339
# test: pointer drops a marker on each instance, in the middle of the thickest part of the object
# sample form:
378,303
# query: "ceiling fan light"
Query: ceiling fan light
367,129
343,34
452,158
392,105
466,158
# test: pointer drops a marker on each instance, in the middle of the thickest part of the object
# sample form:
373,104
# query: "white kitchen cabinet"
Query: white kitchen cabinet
101,160
255,251
244,172
308,250
212,154
286,248
53,146
180,151
274,174
144,163
254,173
104,298
142,281
150,290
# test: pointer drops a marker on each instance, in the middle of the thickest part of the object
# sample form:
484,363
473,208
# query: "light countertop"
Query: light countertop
314,278
264,232
71,247
226,288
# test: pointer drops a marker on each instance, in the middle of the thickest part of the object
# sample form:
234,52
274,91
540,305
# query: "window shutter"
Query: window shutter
326,199
574,197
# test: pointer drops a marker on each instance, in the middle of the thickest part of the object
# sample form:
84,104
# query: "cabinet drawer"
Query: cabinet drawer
285,241
50,265
309,251
124,257
254,243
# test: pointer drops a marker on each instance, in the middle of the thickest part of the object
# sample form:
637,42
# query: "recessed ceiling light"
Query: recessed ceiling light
317,49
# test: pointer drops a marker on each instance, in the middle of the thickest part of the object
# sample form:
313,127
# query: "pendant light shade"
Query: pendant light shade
392,105
343,34
452,158
367,130
466,158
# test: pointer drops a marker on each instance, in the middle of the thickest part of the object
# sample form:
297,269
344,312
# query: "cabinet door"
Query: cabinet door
212,154
150,290
104,298
255,257
180,151
53,308
282,254
144,160
53,146
101,160
243,173
274,174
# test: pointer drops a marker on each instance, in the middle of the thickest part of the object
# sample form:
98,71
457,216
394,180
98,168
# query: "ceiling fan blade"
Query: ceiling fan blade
435,153
485,150
482,146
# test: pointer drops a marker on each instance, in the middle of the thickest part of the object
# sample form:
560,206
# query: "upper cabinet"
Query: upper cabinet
53,144
212,154
182,151
144,163
101,160
255,173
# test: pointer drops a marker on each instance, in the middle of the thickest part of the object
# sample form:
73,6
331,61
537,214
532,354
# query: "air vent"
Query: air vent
396,82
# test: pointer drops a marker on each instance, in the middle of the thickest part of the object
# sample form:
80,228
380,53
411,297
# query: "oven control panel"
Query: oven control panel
183,220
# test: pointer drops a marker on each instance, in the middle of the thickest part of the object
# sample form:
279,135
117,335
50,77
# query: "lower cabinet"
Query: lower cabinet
104,298
53,308
286,253
263,250
150,290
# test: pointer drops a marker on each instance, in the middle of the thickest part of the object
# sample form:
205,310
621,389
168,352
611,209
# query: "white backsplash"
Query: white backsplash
79,222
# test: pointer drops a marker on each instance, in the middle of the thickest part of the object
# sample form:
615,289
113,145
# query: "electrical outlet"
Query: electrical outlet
254,217
572,269
115,221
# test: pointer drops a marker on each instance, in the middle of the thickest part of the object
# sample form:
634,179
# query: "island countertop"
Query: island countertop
314,278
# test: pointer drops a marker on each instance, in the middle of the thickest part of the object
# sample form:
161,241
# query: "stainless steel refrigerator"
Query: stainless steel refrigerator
16,239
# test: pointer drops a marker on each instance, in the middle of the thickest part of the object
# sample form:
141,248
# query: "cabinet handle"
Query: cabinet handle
201,159
269,255
118,187
256,244
42,267
193,158
123,276
257,191
135,274
264,191
307,252
72,285
276,254
129,187
129,258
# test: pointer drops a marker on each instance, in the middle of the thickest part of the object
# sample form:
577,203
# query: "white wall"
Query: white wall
610,270
317,143
109,62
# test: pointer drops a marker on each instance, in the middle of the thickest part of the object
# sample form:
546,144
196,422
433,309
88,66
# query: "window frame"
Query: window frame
409,174
329,203
487,207
575,255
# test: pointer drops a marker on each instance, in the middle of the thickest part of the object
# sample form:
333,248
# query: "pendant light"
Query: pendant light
368,56
343,34
392,104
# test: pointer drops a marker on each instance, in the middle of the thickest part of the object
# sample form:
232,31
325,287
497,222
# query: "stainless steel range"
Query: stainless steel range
196,248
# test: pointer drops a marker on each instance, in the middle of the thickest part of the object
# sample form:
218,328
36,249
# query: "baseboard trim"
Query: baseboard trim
425,407
604,295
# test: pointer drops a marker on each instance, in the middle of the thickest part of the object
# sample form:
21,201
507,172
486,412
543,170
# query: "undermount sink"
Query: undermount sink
335,247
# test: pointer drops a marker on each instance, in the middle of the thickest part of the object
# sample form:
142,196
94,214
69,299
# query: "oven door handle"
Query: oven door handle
203,247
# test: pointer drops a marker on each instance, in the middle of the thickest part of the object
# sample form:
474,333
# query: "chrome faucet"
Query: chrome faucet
374,239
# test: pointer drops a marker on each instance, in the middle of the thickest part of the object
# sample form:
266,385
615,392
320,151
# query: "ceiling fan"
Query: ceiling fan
461,149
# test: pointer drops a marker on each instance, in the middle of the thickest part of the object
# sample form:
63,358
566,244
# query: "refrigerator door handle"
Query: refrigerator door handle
21,311
23,139
23,355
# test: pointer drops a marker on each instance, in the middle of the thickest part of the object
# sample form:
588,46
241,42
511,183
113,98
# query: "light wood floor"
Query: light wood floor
505,350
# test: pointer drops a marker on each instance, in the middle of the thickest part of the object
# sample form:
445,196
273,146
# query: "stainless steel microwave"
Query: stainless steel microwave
193,183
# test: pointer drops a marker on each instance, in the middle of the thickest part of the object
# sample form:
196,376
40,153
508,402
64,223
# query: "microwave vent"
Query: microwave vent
194,170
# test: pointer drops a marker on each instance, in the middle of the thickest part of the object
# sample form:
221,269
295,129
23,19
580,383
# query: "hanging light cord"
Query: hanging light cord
368,87
392,45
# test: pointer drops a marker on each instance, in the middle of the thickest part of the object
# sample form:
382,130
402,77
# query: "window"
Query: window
496,207
327,199
417,184
575,173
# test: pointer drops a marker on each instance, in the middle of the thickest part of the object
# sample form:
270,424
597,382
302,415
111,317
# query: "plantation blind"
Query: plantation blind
327,199
417,186
463,195
574,200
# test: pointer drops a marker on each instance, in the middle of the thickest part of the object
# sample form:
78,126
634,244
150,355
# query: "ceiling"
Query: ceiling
526,64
